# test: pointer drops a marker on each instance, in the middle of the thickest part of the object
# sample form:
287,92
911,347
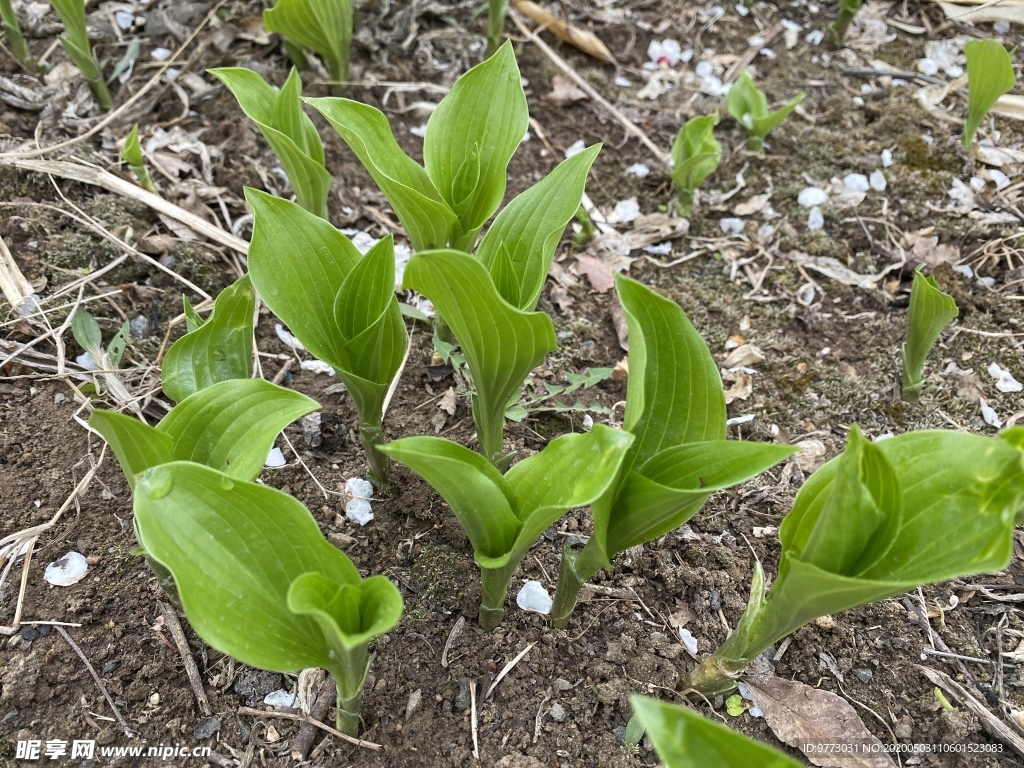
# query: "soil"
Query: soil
831,359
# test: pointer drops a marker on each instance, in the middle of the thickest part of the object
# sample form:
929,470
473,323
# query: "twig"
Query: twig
990,722
536,721
92,671
508,668
191,670
472,718
311,721
597,98
452,637
16,288
307,731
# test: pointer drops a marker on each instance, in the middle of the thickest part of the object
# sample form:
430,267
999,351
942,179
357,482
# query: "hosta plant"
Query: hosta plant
879,520
291,134
675,409
496,10
684,739
323,26
15,38
217,348
989,75
930,312
259,582
505,515
87,333
76,42
696,154
837,29
131,153
749,106
340,304
501,342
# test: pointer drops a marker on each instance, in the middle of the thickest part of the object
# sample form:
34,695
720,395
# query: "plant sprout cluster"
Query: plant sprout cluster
248,564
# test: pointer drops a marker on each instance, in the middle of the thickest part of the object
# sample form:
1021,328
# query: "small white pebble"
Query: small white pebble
1001,27
977,183
281,698
954,71
704,69
689,641
731,226
160,54
358,488
858,182
792,26
739,420
275,459
639,170
1004,379
928,139
812,196
877,181
419,130
358,511
815,220
886,158
742,10
287,338
755,41
85,360
814,37
964,270
659,249
626,211
172,73
623,82
1000,179
990,416
124,19
575,148
588,422
746,693
316,366
987,282
69,570
927,67
533,597
866,88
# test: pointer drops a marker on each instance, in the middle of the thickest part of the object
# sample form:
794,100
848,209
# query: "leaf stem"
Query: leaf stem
494,587
573,572
350,689
12,30
378,464
496,10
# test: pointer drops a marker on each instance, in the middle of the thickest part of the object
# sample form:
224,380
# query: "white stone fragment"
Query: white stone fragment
588,422
928,67
663,54
814,37
988,413
625,211
1000,179
877,181
858,182
639,170
623,82
419,130
69,570
988,282
742,10
746,693
281,698
287,338
731,226
659,249
977,183
275,459
575,148
884,436
815,220
316,366
359,511
85,360
689,641
812,196
1004,379
964,270
160,54
533,597
790,25
886,158
124,19
739,420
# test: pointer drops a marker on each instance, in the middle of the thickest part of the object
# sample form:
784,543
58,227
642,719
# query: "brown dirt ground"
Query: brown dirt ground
828,364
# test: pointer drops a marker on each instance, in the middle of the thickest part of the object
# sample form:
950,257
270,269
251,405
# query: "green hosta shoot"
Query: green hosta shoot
323,26
501,342
684,739
340,304
696,154
750,108
259,582
15,39
496,10
837,29
930,312
76,42
289,131
989,76
675,409
218,348
877,521
505,515
87,333
131,153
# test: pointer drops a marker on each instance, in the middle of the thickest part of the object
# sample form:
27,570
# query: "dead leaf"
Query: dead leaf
561,298
619,318
682,616
928,250
836,270
753,205
800,715
811,455
563,93
1010,105
744,355
597,271
766,532
742,385
447,403
587,42
996,156
961,11
251,28
620,373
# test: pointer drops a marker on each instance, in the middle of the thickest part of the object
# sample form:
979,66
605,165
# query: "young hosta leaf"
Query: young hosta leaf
471,137
235,549
76,42
87,333
696,154
219,350
989,76
684,739
670,488
528,229
959,496
136,445
291,134
193,321
483,502
131,153
231,426
118,344
502,344
930,312
323,26
675,393
427,218
749,106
